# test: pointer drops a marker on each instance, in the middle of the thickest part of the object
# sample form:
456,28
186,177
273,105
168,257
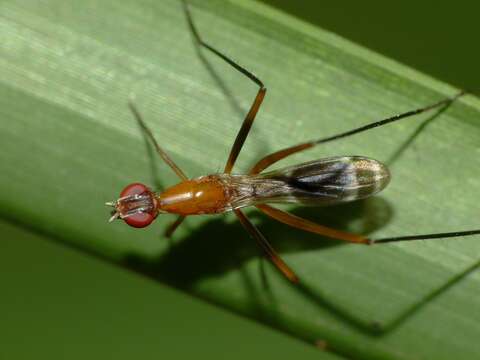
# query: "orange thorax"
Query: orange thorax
204,195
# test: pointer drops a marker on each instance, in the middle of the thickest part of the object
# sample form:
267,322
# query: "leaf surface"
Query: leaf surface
69,144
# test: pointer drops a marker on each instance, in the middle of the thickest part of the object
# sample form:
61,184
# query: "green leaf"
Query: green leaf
69,143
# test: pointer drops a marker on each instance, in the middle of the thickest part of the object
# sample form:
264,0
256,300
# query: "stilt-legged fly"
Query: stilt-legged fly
320,182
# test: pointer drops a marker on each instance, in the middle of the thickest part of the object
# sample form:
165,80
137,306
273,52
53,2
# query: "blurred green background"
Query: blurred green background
50,302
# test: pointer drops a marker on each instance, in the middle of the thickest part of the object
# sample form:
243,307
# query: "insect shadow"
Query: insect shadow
217,247
225,246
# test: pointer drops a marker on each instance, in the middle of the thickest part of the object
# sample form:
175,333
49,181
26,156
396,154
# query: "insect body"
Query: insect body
321,182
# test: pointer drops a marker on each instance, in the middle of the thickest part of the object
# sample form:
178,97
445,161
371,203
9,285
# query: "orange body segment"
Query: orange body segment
205,195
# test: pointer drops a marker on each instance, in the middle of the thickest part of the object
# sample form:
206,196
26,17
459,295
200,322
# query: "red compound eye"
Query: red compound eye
134,189
145,200
139,220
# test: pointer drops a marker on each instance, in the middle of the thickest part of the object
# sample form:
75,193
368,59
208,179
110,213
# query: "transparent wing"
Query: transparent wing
321,182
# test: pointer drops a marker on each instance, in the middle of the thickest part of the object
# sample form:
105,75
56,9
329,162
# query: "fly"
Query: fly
321,182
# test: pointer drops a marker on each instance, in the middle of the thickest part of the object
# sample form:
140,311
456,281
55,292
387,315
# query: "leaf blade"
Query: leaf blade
75,72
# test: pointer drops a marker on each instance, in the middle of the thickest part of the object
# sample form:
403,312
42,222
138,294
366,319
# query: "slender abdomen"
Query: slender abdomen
321,182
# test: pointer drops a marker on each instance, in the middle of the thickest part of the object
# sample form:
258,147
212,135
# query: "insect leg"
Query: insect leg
250,117
173,226
244,130
159,149
270,159
266,247
310,226
426,236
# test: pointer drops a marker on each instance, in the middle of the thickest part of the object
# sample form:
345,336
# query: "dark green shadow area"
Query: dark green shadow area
63,304
435,37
